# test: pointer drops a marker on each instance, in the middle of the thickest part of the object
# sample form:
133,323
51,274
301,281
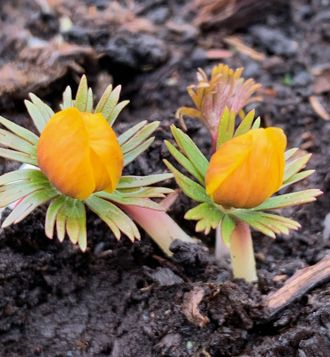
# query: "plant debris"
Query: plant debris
190,307
298,285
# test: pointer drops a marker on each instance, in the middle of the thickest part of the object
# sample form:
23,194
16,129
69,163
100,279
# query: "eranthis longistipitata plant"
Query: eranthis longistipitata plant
77,161
234,189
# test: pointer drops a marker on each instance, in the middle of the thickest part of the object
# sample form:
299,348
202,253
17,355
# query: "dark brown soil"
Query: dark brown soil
124,300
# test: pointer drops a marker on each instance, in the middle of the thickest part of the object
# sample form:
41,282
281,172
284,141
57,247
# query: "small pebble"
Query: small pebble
275,40
165,277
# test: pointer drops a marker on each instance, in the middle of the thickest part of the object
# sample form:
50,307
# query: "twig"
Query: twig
299,284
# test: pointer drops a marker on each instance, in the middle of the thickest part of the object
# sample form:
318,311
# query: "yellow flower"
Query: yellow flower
79,153
247,169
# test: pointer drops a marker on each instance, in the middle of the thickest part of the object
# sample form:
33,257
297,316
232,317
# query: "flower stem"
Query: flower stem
221,249
241,253
159,226
214,137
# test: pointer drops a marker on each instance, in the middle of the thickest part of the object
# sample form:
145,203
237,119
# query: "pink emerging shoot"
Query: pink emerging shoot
158,225
226,88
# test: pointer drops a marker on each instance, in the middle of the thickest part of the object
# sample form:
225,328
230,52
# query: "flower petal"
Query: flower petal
225,161
106,154
64,155
248,169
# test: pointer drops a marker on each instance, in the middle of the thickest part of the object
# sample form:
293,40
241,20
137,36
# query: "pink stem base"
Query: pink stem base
214,136
221,249
242,254
158,225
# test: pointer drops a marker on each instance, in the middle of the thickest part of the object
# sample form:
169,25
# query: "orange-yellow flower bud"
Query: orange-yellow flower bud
79,153
247,169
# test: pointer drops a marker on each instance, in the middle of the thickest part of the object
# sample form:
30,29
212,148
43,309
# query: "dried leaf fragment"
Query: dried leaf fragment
214,54
321,79
318,107
243,48
190,307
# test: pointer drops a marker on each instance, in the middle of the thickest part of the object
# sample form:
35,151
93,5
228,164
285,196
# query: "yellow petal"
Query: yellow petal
64,155
248,169
226,160
106,155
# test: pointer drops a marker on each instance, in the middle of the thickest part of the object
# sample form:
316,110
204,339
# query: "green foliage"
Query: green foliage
289,199
82,95
296,160
141,181
14,191
246,124
191,188
190,150
19,131
29,203
108,104
184,162
114,217
17,143
227,227
132,198
67,98
227,123
226,127
70,217
266,223
134,145
18,156
256,124
39,111
287,80
207,215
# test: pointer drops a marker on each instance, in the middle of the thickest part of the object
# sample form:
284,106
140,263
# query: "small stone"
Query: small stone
198,57
165,277
159,15
189,345
251,69
168,343
274,40
302,79
137,51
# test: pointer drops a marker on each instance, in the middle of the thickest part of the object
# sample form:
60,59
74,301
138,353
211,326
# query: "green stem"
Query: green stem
242,254
159,226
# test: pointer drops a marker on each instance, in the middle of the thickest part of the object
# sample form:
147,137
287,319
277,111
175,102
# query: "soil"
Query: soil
127,300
